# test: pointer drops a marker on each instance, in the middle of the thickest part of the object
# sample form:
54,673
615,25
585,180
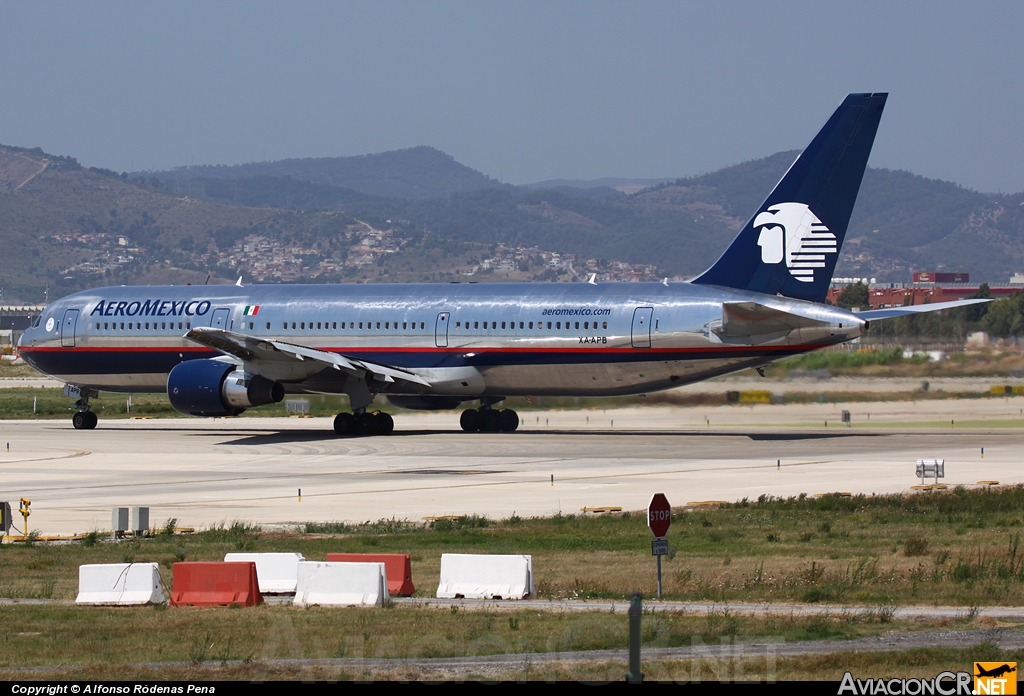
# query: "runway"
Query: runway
206,472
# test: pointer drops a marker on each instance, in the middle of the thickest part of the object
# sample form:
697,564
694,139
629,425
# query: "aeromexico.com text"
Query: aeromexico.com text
151,308
576,312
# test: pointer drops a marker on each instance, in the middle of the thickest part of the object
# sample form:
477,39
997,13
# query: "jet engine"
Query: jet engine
215,388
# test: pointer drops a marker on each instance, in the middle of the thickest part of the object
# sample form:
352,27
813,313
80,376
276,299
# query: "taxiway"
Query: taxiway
206,472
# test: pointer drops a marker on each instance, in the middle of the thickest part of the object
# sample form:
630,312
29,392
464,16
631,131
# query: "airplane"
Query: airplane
220,350
999,671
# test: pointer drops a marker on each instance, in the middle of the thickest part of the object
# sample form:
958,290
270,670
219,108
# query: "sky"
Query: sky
522,91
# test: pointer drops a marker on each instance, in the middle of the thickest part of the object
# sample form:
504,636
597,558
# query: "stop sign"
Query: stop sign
659,515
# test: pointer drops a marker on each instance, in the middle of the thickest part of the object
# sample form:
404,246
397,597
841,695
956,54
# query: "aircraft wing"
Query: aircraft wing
888,312
256,350
741,319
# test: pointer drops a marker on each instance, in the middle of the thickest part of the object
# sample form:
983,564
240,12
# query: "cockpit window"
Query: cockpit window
35,322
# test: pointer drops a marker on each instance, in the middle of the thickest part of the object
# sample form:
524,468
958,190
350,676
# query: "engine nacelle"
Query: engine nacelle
214,388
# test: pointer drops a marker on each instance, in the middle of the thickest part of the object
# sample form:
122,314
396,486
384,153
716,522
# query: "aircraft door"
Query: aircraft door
642,327
67,328
219,320
441,329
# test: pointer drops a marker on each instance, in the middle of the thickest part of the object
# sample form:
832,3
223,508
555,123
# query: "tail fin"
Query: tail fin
791,245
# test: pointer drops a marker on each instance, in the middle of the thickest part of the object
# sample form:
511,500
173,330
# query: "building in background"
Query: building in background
928,286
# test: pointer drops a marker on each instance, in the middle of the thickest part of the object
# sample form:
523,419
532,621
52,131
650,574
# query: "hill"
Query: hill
417,172
70,227
609,182
65,227
902,221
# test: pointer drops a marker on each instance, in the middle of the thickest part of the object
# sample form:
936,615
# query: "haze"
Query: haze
521,91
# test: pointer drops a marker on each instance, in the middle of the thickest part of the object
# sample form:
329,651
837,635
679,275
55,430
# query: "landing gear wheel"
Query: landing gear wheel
385,423
79,420
345,424
366,424
470,420
489,421
91,419
508,420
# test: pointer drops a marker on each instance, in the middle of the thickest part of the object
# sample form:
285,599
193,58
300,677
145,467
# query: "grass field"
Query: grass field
956,547
20,403
925,663
889,362
67,635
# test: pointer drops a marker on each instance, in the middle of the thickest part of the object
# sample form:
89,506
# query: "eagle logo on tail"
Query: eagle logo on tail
792,232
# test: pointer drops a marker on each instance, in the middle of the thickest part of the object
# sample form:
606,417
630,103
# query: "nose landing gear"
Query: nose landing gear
84,419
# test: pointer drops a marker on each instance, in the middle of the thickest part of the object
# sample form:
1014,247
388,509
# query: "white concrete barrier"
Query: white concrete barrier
341,584
119,584
276,572
480,576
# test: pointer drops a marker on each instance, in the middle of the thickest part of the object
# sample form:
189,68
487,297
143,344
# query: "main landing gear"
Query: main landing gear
363,424
487,420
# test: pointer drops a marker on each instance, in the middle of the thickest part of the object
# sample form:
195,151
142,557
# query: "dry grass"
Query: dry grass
96,637
924,663
958,547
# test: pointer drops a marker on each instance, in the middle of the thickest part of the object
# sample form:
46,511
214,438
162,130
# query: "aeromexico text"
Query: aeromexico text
151,308
576,312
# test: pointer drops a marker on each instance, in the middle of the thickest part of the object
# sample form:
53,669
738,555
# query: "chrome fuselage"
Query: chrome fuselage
469,340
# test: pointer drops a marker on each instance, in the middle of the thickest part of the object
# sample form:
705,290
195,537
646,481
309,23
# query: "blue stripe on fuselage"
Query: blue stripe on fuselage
126,361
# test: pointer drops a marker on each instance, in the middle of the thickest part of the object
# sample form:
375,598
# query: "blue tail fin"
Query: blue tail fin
791,244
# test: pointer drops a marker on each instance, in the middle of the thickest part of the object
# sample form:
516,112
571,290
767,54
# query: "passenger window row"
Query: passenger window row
349,326
352,326
529,325
141,326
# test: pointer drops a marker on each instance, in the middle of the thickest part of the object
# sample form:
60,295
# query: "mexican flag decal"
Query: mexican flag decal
251,310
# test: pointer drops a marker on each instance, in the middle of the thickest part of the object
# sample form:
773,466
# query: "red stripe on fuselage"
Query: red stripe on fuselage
116,349
430,349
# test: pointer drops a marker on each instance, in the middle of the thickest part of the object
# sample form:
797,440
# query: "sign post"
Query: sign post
659,518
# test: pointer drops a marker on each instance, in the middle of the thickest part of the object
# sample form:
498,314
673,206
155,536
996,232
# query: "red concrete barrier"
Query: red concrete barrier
215,584
396,565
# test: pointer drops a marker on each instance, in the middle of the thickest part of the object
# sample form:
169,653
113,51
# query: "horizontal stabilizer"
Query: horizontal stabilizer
741,319
888,312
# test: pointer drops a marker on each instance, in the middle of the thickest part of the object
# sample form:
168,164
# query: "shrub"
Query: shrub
915,545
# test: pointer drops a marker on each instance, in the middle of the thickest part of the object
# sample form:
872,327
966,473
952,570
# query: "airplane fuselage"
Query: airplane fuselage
220,350
468,340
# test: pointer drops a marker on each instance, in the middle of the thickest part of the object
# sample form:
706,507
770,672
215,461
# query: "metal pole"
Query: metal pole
659,576
634,675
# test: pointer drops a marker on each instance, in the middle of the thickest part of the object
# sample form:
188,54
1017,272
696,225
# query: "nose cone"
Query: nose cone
26,338
34,335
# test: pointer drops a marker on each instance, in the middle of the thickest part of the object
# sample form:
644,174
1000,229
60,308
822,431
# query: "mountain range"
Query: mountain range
66,227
